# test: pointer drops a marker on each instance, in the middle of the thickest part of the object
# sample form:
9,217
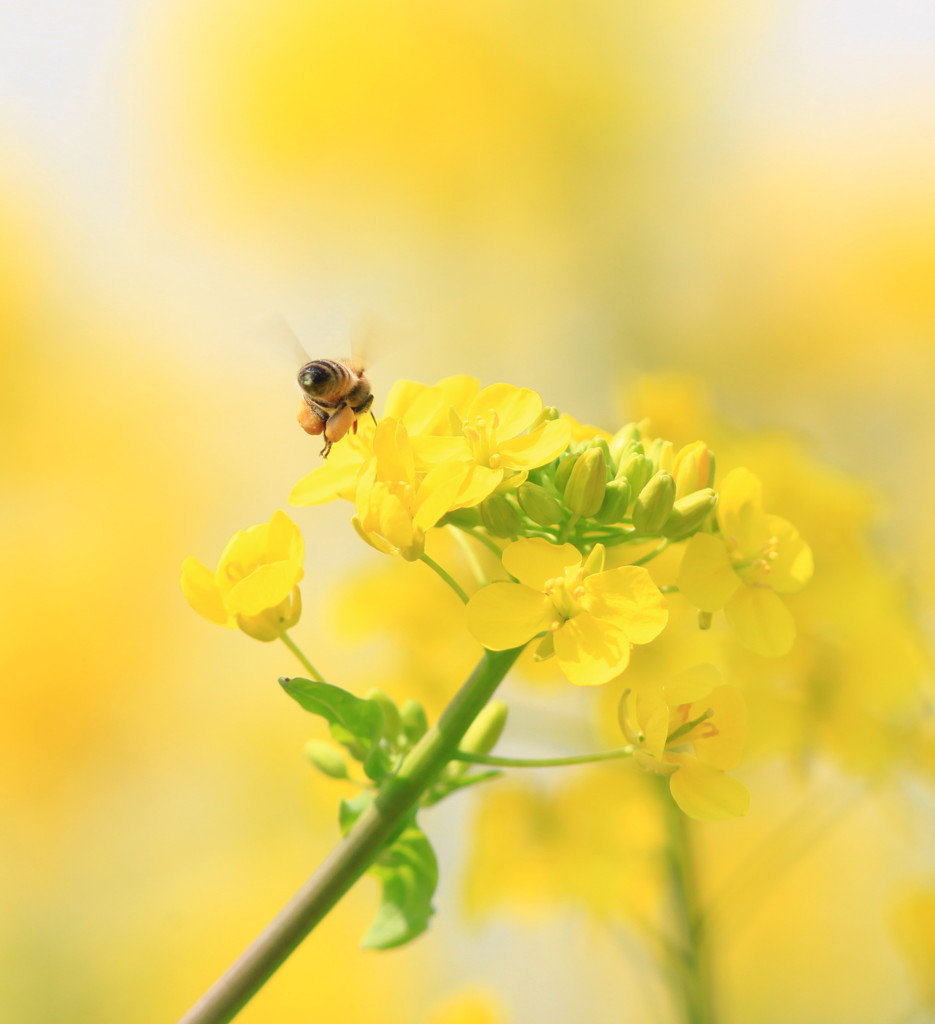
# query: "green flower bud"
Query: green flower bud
539,505
693,469
704,620
500,516
549,412
595,560
413,721
636,469
486,729
608,460
626,439
654,504
661,454
688,514
391,723
584,491
326,758
565,465
616,502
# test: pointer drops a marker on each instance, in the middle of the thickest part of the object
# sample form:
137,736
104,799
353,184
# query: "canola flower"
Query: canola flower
255,585
691,730
590,617
754,558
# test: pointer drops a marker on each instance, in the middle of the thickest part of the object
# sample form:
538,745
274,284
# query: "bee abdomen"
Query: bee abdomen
322,378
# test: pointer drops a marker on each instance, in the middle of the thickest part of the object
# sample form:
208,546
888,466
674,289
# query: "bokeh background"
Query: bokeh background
694,210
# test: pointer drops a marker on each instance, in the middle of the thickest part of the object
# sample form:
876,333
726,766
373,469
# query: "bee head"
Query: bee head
315,377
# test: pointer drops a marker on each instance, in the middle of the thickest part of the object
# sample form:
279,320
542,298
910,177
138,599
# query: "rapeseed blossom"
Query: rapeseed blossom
255,585
691,730
755,558
590,617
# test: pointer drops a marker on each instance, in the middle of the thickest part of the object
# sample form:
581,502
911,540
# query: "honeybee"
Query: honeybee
335,392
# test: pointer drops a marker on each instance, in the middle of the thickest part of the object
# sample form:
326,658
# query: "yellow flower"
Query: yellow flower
694,710
395,505
590,617
499,438
421,409
255,585
755,558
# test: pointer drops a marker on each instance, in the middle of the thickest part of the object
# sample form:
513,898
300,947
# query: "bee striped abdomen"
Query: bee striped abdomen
324,379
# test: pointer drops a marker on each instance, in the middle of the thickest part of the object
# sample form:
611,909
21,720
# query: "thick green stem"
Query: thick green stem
693,978
357,851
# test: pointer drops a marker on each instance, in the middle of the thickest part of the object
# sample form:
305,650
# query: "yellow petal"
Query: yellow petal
393,451
705,793
706,577
589,651
431,450
740,511
653,717
533,561
325,484
760,621
438,493
719,741
691,685
373,539
542,445
628,598
479,483
793,565
265,587
516,408
505,615
459,392
284,540
202,593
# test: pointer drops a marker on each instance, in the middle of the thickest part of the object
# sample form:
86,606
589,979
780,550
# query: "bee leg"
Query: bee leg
327,448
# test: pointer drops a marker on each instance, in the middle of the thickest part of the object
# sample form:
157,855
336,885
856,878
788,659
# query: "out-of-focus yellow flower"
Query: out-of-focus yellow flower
468,1007
596,842
913,922
756,558
694,710
255,585
590,617
395,506
499,436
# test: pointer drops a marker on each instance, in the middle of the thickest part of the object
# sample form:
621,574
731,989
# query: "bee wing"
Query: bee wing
273,332
370,338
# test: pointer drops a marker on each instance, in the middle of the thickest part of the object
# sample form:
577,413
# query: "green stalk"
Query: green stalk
396,800
693,978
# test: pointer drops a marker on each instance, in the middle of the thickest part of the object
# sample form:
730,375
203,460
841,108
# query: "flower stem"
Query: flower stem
693,983
397,799
541,762
446,576
650,555
306,664
470,555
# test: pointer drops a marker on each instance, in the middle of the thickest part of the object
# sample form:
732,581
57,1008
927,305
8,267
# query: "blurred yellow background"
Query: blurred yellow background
567,197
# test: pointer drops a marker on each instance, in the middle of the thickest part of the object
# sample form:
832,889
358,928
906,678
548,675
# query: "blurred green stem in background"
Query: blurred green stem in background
693,982
395,802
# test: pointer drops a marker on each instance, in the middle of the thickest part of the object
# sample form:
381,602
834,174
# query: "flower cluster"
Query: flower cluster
574,517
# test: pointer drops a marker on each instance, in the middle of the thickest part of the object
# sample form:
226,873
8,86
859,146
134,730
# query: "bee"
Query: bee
335,392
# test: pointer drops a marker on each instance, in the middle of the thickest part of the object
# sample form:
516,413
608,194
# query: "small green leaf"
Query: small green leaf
408,872
355,723
350,810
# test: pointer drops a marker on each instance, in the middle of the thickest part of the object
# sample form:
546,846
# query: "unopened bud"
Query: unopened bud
500,516
636,469
704,620
626,438
595,560
584,491
693,469
549,412
688,514
391,723
616,501
661,454
486,729
413,721
563,471
326,758
541,507
654,504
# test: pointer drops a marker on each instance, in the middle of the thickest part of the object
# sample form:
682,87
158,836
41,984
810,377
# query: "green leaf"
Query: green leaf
354,722
350,810
408,872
